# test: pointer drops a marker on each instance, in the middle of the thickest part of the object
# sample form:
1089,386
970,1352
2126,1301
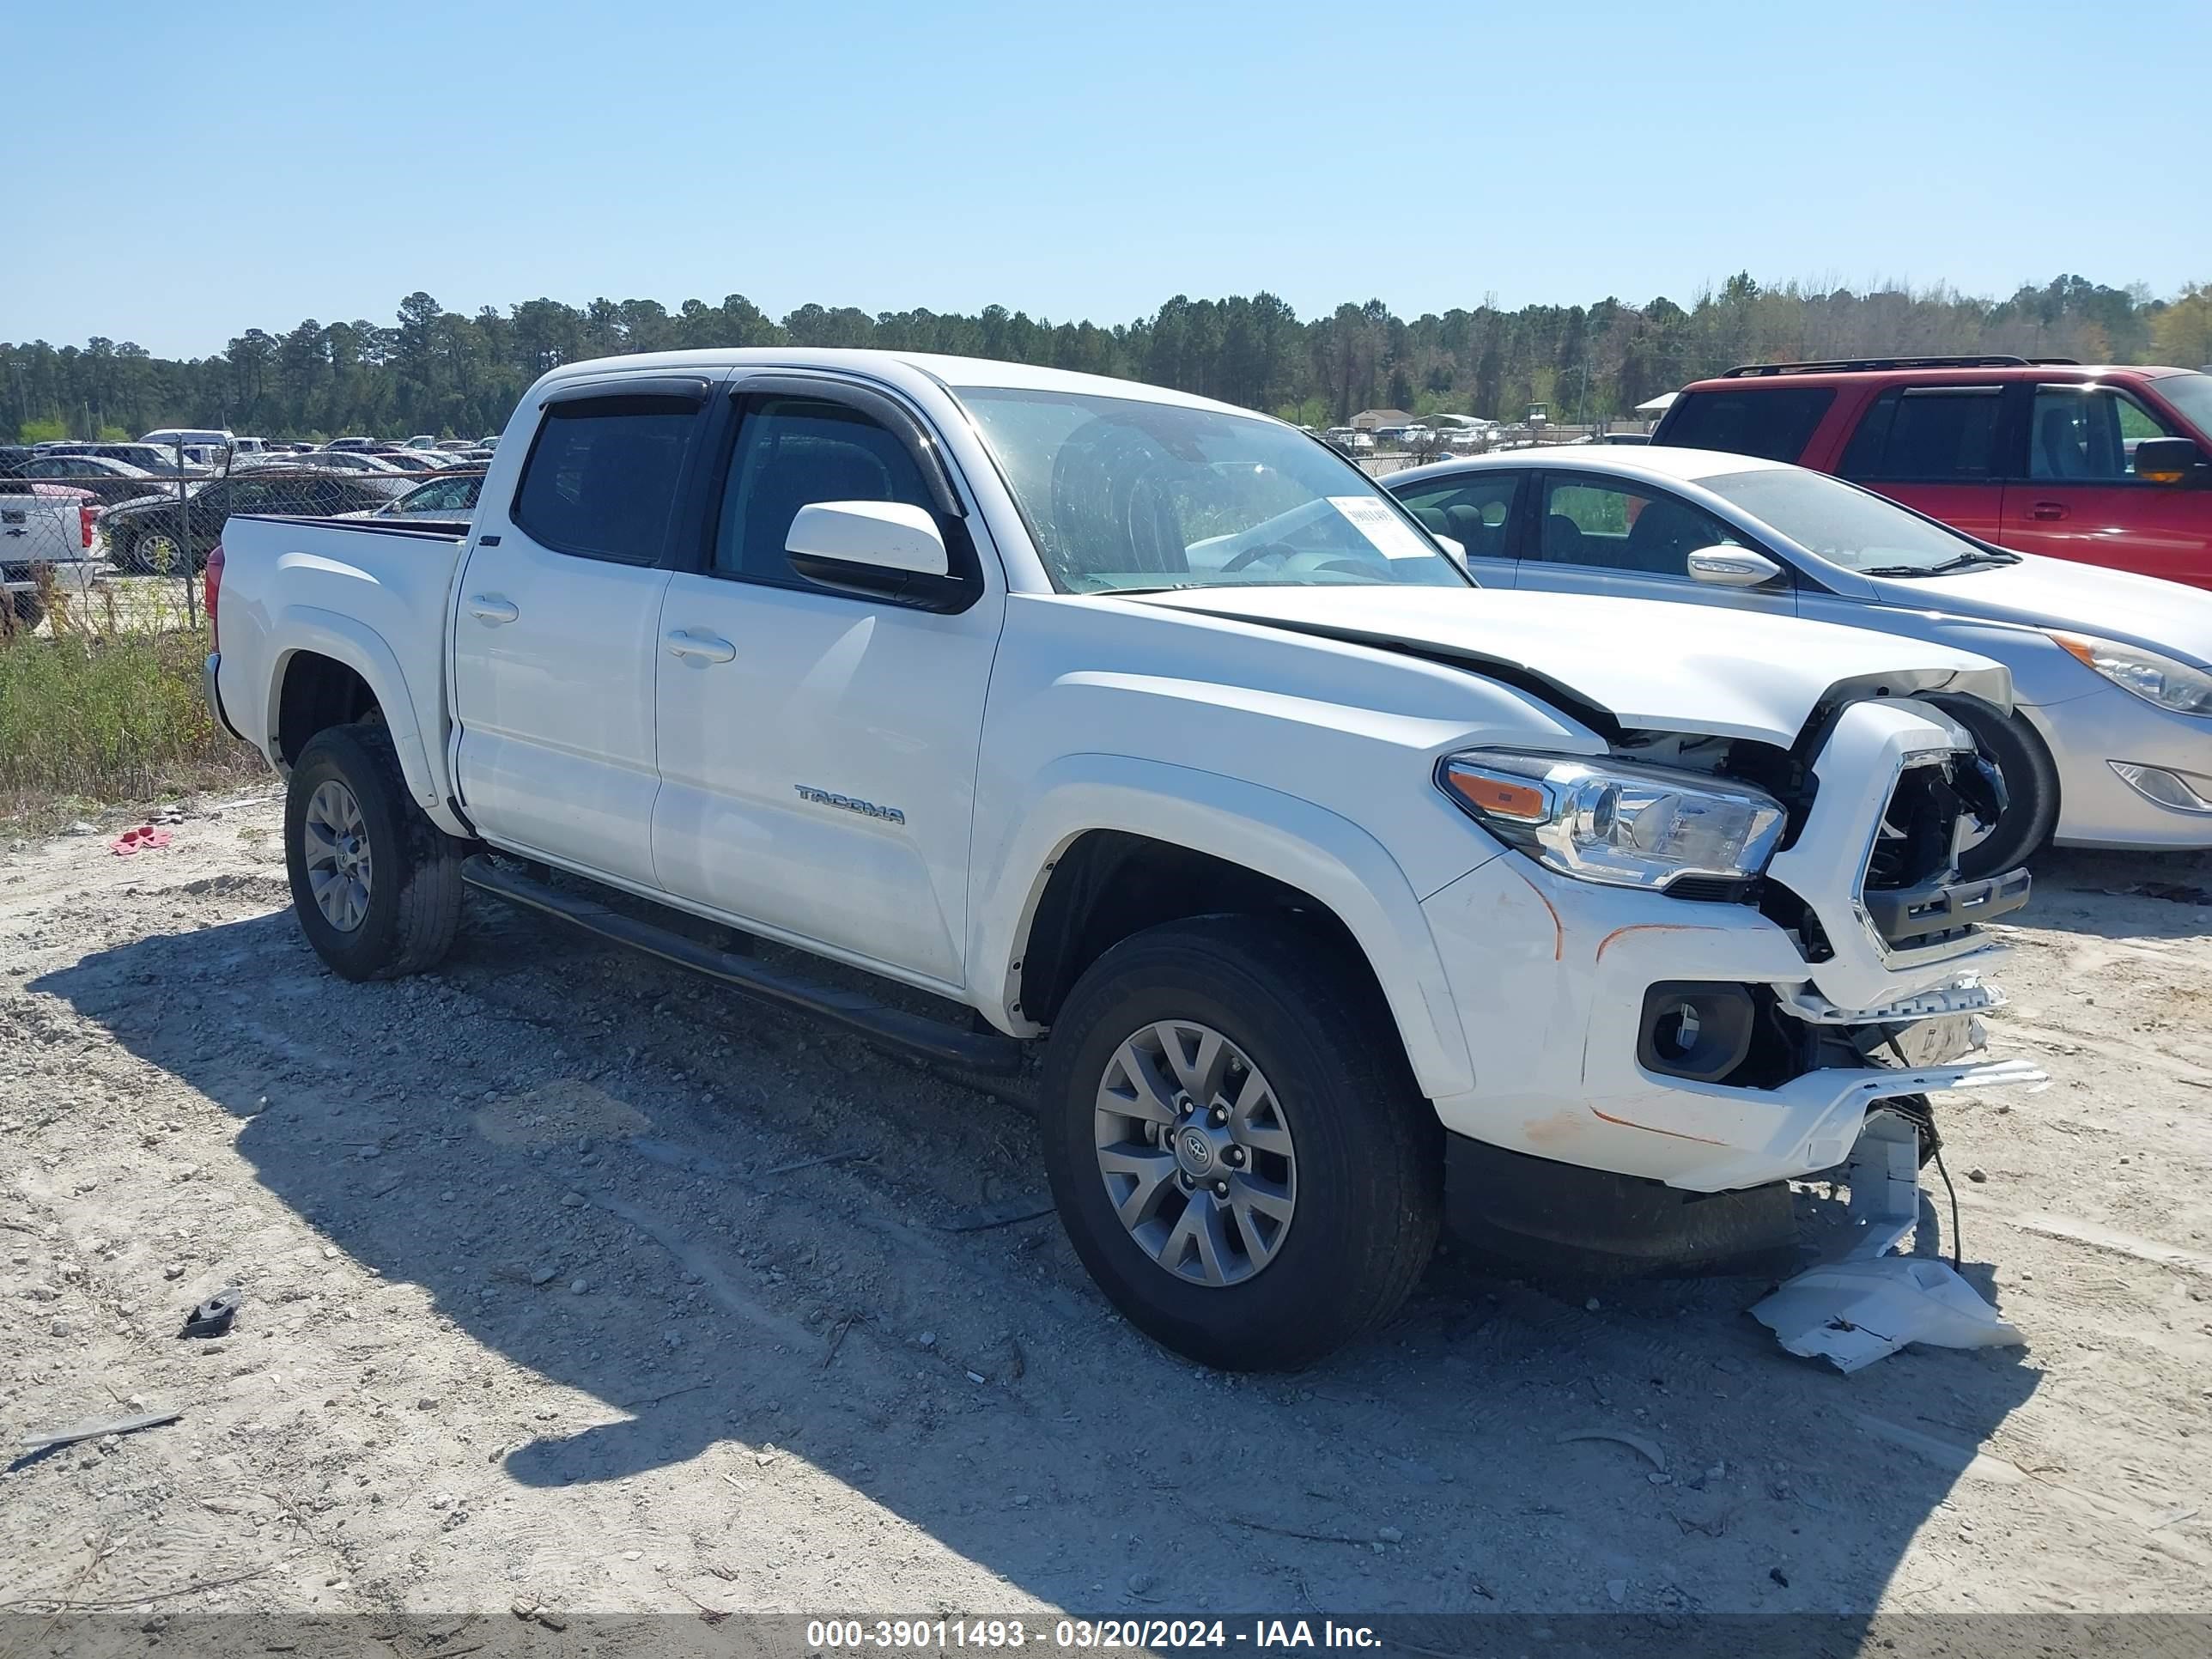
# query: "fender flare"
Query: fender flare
361,648
1293,841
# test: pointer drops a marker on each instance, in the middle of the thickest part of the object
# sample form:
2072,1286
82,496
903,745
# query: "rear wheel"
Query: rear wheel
376,886
1237,1147
26,609
2031,811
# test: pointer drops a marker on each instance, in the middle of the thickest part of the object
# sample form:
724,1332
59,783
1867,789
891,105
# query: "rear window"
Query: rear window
1928,435
1772,422
600,481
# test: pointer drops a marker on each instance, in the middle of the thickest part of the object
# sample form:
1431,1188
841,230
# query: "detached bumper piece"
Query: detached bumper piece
1870,1304
1908,918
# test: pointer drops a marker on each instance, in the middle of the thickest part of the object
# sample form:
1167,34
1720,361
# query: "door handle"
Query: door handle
491,610
2046,510
705,647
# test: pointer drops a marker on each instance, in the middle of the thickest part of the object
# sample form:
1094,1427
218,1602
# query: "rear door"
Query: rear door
1475,510
818,747
2080,498
1594,534
1944,449
556,628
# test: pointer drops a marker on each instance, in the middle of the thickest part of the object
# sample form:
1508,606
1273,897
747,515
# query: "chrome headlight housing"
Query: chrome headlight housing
2151,676
1606,821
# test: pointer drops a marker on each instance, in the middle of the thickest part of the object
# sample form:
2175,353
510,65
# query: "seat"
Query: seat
1563,540
2056,450
1664,536
1464,525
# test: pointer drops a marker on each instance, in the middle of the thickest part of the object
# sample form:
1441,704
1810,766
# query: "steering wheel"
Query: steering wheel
1280,549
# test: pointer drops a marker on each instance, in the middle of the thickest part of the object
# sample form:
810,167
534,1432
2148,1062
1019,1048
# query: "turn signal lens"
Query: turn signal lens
1499,797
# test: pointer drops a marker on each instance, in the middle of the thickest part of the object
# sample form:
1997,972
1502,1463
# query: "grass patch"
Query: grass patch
87,722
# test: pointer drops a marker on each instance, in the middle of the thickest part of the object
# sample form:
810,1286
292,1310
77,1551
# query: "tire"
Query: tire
1367,1174
27,608
2014,747
404,920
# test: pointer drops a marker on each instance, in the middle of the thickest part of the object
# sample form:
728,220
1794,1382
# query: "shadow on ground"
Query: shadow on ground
598,1169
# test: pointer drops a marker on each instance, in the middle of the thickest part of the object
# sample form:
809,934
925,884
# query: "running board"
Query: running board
916,1035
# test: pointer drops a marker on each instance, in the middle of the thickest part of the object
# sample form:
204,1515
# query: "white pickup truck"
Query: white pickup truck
1332,888
46,533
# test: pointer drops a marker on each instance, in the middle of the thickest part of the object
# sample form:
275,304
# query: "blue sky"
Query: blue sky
222,166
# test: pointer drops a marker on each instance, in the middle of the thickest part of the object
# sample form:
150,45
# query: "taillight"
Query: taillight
86,515
214,587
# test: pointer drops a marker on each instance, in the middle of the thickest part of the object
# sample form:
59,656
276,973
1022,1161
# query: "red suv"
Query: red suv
2109,465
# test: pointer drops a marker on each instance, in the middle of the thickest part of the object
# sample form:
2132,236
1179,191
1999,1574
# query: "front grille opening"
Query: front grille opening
1917,843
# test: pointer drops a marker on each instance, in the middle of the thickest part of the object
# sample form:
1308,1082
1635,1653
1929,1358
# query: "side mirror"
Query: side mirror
2167,460
887,549
1455,549
1725,566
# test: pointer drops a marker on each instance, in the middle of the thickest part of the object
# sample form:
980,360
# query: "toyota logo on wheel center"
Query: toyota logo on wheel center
1195,1151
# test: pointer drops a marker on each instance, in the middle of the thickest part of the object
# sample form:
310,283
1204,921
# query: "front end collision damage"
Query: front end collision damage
1865,1000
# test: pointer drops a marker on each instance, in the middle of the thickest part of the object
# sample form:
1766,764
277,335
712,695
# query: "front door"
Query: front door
1595,534
556,631
2080,498
817,749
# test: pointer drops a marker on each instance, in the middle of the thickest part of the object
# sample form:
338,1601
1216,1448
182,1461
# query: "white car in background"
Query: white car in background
2110,743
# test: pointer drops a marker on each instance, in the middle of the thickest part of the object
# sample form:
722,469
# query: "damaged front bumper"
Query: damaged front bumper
1580,1133
1555,982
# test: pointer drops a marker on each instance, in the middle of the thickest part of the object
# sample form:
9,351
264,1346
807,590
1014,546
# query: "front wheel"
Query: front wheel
2031,782
376,886
1235,1144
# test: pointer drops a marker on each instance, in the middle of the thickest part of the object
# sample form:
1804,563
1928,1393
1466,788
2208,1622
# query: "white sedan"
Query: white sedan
2111,741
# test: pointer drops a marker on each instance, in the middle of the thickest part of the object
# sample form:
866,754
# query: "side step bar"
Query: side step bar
892,1028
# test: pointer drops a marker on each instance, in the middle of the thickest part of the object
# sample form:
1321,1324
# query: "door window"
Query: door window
601,477
1928,435
1475,510
1612,525
1773,422
792,453
2087,434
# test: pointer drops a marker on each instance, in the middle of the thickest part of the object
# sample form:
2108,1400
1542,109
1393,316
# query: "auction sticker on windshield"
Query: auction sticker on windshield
1389,533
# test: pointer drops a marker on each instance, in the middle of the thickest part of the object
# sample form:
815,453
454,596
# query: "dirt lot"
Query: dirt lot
571,1279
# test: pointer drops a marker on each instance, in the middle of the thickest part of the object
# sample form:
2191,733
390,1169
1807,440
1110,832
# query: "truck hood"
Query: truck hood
1650,666
2086,599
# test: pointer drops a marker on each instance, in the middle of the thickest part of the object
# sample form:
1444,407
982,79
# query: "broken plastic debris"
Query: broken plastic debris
1853,1313
213,1316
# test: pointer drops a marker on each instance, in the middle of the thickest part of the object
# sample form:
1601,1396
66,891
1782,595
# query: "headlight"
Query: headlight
2152,678
1628,826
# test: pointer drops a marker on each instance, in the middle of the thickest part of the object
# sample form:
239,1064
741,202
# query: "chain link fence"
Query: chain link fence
100,538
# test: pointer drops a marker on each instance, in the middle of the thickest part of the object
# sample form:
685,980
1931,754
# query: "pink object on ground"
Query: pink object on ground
130,841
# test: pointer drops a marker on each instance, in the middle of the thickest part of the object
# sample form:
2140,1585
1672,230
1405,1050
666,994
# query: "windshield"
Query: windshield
2190,394
1122,495
1846,526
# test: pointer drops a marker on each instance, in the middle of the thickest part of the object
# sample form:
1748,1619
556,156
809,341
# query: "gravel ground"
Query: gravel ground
569,1280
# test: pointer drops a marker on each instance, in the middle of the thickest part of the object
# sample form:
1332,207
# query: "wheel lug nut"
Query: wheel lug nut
1221,1189
1221,1114
1235,1156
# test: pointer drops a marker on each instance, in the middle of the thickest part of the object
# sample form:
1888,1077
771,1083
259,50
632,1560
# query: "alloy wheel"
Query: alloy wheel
1195,1153
338,855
